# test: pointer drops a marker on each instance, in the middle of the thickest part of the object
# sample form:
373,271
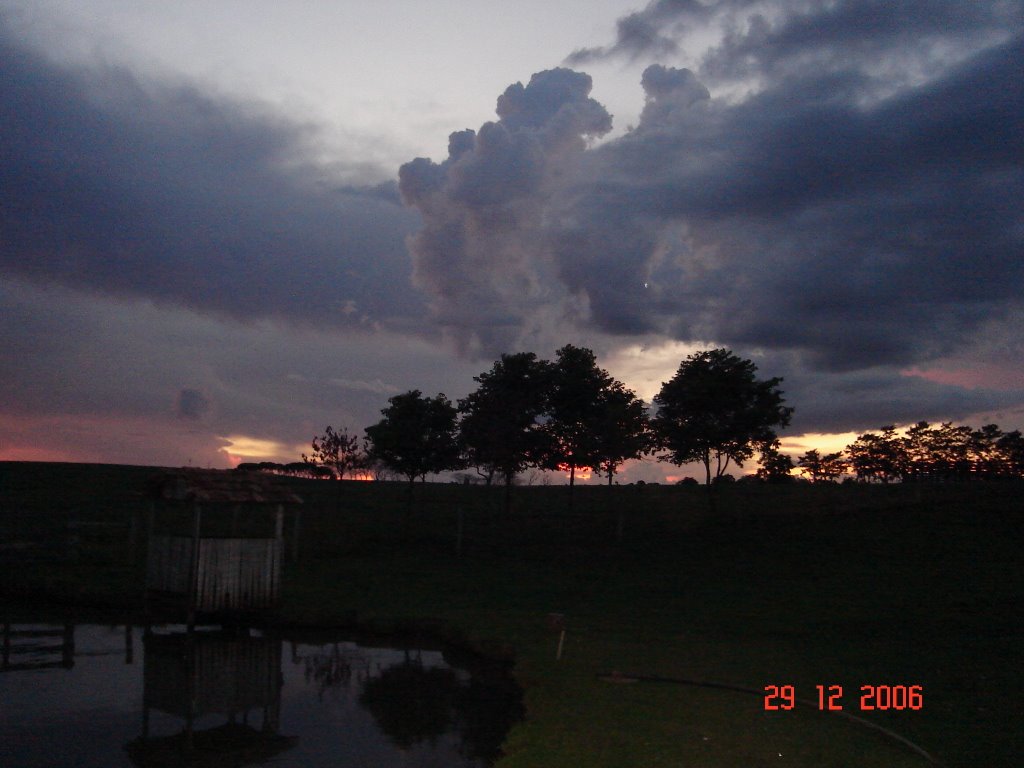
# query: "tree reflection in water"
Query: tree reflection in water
331,669
414,704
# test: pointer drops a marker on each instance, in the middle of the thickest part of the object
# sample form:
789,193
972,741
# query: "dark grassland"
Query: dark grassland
801,586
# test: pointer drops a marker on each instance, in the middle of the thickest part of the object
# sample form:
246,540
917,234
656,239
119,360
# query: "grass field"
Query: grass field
800,586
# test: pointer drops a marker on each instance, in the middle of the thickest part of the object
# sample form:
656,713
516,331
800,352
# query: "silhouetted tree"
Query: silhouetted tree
337,451
417,435
985,456
1011,454
951,452
574,410
715,411
937,453
943,452
775,466
501,431
305,469
623,430
821,468
877,457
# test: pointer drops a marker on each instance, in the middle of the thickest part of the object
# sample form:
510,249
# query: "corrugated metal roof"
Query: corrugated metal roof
215,485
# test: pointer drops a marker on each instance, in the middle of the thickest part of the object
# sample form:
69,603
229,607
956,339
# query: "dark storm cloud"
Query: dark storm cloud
649,32
757,36
878,33
192,405
796,218
872,396
142,188
863,236
128,380
853,206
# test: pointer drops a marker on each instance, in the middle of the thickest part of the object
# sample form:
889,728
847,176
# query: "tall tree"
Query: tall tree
623,430
878,457
501,431
593,420
1011,454
575,404
917,459
937,453
775,466
984,452
715,411
337,451
951,451
822,468
417,435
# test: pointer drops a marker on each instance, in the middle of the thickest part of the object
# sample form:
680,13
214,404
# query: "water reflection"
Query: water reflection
77,695
194,675
422,701
26,648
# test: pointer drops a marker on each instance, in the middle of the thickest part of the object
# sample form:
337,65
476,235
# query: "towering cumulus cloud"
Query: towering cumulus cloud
821,187
482,255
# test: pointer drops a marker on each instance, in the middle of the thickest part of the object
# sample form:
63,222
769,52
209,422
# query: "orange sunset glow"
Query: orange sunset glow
582,473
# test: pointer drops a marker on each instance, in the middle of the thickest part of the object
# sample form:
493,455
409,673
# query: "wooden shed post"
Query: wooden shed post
147,533
133,535
129,644
296,532
193,578
67,647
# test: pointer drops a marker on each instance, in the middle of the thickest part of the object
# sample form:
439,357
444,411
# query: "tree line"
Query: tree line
944,452
567,414
292,468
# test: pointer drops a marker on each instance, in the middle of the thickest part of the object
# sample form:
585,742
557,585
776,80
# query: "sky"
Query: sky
224,226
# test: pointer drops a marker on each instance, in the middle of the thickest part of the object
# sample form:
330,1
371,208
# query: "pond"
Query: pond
91,695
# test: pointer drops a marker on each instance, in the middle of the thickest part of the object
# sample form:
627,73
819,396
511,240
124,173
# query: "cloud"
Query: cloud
870,397
861,236
847,222
830,189
479,255
377,386
899,41
648,32
192,405
94,378
734,39
131,187
795,219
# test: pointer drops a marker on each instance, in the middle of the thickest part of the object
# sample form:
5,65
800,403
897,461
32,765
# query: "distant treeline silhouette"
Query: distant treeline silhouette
945,452
569,414
936,453
294,468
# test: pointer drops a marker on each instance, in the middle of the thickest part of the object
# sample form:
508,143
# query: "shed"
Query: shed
215,544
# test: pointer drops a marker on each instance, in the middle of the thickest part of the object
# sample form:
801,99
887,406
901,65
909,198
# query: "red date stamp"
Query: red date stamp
830,697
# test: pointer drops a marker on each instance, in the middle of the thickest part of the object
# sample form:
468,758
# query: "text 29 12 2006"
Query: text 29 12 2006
830,697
